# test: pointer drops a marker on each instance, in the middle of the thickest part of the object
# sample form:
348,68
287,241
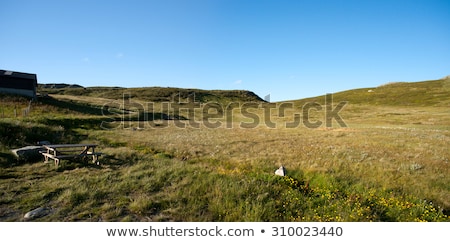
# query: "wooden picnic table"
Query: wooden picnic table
58,152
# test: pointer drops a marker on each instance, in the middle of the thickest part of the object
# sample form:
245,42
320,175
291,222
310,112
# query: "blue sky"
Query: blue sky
288,49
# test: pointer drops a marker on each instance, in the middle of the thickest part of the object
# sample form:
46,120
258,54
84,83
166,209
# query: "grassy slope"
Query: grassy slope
390,164
426,93
159,94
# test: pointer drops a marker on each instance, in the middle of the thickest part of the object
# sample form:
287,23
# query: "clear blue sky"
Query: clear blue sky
288,49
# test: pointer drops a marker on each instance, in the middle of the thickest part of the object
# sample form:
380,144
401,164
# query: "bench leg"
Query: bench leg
95,159
56,162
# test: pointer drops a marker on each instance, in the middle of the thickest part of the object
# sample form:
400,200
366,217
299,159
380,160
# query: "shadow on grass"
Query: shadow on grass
111,113
114,163
72,106
7,160
76,163
105,162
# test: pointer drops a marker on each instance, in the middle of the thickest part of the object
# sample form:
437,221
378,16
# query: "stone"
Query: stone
29,153
281,171
37,213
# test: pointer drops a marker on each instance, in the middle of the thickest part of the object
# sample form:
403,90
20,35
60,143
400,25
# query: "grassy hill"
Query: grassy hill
425,93
391,162
158,94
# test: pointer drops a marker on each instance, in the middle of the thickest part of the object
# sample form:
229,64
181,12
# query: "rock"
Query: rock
415,167
28,153
281,171
37,213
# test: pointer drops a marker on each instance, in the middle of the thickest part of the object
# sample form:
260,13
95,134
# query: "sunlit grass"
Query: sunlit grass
391,163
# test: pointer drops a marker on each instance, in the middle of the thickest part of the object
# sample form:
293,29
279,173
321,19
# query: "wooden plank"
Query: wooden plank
62,150
56,146
70,156
48,155
94,154
59,156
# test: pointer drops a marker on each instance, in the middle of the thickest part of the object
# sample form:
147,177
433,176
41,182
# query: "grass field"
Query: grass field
390,162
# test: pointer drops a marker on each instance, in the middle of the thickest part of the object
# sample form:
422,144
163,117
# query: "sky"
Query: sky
286,49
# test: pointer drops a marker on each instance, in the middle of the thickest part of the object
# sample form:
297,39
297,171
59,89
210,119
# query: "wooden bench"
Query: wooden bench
58,152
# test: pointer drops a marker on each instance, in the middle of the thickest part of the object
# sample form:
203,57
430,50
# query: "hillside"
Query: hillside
157,94
425,93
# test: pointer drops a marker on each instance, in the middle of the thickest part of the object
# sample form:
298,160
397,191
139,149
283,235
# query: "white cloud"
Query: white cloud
86,59
238,82
119,55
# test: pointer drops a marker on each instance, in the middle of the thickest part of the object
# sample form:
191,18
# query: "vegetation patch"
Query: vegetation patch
389,164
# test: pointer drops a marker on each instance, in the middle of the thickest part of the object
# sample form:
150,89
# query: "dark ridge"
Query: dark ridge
156,94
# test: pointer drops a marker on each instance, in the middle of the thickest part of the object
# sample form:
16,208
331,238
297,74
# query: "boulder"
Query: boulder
281,171
37,213
29,153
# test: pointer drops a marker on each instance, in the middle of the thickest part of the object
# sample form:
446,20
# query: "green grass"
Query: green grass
390,164
148,188
426,93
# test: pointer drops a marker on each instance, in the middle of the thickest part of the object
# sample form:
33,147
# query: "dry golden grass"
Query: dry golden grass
393,148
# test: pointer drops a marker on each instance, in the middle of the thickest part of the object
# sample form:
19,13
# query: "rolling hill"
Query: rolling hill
424,93
156,94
